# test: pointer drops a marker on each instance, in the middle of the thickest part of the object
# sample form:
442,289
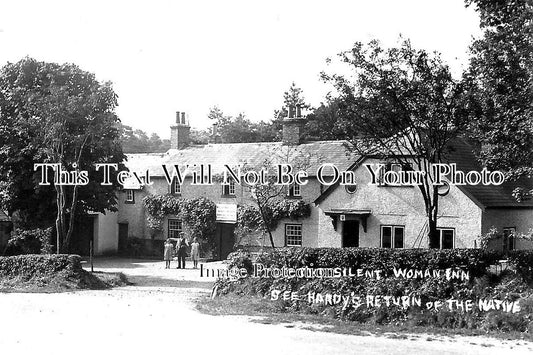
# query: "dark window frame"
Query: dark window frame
440,230
393,228
127,199
287,225
175,187
176,231
226,189
291,191
509,240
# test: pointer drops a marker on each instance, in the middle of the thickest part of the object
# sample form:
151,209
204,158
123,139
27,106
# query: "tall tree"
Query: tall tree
137,141
501,73
197,136
269,199
239,129
404,105
323,122
53,113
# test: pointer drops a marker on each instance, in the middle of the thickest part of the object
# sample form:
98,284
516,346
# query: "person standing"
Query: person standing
195,252
181,250
167,254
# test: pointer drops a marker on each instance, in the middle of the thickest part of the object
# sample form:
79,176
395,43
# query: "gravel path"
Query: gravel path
157,315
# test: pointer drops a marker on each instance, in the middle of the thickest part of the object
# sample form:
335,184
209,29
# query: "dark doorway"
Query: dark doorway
83,235
122,237
350,234
225,239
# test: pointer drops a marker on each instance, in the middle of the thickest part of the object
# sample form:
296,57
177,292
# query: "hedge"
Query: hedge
514,284
34,241
522,262
31,265
476,260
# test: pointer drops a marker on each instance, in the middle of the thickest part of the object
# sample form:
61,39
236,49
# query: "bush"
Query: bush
52,273
522,261
240,259
504,322
476,260
31,265
35,241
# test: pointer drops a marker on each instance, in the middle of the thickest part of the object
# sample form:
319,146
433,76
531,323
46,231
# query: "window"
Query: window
351,189
130,196
446,238
293,235
175,187
229,188
295,190
174,228
509,238
392,237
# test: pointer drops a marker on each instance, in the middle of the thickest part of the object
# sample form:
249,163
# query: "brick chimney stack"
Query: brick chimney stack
179,133
215,136
292,126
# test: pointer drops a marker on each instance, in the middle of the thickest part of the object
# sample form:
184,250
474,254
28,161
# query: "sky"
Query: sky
165,56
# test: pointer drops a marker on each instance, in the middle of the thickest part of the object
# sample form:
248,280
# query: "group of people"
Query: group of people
180,251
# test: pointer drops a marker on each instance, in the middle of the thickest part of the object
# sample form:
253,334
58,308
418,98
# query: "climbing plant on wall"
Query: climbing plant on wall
249,219
199,215
159,206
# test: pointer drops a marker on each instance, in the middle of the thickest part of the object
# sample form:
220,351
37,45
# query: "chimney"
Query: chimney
292,126
215,137
179,133
292,111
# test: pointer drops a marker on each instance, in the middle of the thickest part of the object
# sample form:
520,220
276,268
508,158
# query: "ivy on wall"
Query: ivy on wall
159,206
280,209
249,218
199,215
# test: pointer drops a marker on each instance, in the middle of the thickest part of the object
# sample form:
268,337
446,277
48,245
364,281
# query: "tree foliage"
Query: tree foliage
198,215
239,129
137,141
404,105
324,122
250,219
294,96
501,72
52,113
35,241
268,201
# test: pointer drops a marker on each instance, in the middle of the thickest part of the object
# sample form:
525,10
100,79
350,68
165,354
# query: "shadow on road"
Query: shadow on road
152,273
116,262
154,281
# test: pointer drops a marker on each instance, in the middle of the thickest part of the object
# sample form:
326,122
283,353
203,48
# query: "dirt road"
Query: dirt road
157,316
